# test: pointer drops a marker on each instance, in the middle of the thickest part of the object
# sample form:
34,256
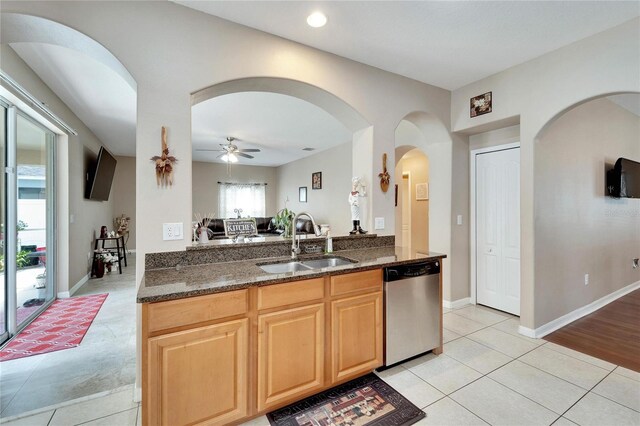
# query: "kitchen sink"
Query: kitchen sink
304,265
326,263
282,268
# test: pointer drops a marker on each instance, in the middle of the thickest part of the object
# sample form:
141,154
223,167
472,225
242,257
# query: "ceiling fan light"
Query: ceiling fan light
232,158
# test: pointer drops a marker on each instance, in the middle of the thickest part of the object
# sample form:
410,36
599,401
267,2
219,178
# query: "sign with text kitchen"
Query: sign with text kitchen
233,227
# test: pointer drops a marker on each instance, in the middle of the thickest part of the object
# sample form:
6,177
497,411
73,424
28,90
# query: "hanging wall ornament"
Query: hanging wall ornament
164,163
385,178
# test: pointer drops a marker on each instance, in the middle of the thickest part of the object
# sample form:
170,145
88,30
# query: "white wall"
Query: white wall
495,137
329,204
533,93
579,230
207,175
124,195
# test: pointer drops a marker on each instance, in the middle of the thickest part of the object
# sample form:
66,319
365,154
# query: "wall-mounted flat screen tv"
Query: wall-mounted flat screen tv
101,177
623,181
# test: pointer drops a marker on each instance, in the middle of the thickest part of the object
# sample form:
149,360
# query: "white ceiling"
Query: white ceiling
279,125
100,97
444,43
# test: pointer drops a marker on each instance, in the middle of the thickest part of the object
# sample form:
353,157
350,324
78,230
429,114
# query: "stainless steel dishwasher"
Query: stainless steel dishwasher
412,310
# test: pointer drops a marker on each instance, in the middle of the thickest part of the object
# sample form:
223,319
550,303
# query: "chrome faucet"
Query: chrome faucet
295,245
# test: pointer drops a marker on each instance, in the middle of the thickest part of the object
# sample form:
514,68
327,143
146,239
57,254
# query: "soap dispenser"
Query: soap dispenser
329,248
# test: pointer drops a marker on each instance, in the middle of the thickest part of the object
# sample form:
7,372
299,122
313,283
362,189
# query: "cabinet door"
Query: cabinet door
199,375
290,354
356,330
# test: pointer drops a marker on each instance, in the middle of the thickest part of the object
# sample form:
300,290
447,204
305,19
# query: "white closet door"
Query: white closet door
498,229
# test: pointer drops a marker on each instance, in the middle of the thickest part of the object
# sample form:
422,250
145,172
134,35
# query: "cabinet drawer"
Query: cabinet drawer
290,293
193,310
356,282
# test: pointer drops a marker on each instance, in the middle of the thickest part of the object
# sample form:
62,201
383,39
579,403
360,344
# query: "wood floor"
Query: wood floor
612,333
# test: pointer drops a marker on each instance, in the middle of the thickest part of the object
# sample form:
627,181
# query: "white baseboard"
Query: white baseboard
137,394
558,323
456,303
76,287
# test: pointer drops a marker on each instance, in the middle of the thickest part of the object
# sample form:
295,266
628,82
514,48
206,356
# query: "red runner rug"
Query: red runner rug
61,326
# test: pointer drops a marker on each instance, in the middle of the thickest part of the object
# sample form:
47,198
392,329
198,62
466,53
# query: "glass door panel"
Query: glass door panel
3,282
34,206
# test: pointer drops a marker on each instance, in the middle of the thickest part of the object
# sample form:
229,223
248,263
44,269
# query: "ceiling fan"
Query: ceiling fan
230,151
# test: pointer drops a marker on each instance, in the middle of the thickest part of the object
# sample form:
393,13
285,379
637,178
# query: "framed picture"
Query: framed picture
422,191
480,105
302,194
316,180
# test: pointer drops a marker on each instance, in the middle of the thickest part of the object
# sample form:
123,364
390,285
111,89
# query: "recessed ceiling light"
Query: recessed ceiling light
316,19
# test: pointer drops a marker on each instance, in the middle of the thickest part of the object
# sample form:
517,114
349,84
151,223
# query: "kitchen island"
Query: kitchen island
224,342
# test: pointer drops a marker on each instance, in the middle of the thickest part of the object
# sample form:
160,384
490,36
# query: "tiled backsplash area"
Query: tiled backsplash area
198,255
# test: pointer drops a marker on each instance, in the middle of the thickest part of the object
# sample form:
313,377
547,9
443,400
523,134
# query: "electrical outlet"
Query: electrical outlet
172,231
379,223
636,263
88,255
586,279
459,219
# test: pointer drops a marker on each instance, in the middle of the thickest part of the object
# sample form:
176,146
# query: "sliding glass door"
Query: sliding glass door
3,190
28,218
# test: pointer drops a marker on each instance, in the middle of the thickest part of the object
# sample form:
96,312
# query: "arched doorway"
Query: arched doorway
412,207
424,132
294,131
585,240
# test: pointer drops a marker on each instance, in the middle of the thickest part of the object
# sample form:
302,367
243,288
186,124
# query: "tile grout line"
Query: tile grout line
486,375
24,383
587,393
108,415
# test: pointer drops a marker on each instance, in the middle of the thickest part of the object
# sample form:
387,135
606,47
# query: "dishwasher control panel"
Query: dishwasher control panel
395,273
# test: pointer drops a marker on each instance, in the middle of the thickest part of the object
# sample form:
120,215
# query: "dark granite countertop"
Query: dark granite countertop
180,282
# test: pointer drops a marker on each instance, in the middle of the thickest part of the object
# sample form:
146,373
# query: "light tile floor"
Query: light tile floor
105,360
488,374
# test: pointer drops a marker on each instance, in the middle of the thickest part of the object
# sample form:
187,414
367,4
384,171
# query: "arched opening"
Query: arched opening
294,146
422,133
69,85
412,207
584,239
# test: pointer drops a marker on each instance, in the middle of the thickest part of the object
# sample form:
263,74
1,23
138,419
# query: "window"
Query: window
250,197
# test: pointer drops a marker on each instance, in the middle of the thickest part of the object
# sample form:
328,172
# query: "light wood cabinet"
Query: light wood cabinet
227,357
290,354
356,330
199,375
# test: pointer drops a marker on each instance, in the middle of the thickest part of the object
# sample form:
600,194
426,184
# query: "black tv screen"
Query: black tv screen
101,177
623,181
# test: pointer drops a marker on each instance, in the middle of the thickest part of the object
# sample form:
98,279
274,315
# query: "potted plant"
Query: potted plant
284,221
105,260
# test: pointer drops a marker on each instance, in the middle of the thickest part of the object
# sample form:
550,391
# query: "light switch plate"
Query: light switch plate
459,219
379,223
172,231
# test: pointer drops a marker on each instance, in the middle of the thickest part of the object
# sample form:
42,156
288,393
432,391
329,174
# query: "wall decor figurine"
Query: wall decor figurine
164,163
480,104
357,190
385,177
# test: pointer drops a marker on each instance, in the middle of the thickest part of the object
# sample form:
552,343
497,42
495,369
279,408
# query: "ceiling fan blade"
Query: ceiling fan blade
249,150
242,154
210,150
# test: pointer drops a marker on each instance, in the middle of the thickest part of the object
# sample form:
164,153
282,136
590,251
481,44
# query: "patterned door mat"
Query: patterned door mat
61,326
367,401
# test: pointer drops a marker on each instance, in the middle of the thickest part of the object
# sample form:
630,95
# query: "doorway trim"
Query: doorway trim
408,177
472,203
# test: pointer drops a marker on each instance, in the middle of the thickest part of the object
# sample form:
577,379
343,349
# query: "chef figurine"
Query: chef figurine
355,205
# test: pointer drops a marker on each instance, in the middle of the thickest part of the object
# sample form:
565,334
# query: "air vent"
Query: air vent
308,149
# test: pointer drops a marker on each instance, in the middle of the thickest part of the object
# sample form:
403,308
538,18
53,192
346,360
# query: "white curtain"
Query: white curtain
248,197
